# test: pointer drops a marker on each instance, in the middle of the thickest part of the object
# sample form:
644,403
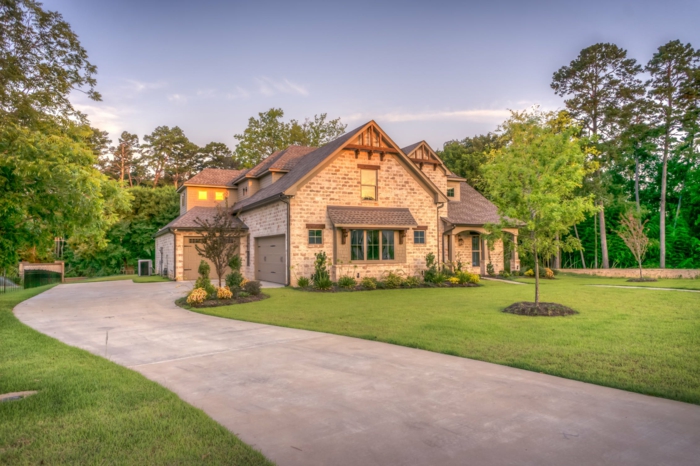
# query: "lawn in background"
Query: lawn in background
92,411
645,341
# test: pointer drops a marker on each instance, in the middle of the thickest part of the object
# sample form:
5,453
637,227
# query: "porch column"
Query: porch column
515,260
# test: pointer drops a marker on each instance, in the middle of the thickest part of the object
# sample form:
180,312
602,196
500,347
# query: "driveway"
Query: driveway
307,398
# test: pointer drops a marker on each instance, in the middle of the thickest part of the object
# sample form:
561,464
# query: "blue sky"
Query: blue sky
423,70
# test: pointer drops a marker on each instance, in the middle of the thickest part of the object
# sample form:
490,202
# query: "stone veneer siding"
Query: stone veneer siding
268,220
339,184
166,259
464,254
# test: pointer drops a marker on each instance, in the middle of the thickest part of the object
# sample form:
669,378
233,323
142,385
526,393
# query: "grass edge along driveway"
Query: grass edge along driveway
643,341
92,411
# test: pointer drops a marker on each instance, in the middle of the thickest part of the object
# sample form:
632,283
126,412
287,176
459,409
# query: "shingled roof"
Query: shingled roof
371,216
471,209
186,221
408,149
214,177
282,160
303,166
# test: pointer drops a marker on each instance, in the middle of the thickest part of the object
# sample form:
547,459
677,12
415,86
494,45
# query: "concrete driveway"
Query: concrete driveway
306,398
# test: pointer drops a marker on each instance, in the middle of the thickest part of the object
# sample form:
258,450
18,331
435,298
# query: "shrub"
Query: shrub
224,293
490,270
430,268
462,277
323,283
346,282
320,275
197,296
243,294
203,280
474,278
439,278
530,273
234,280
303,282
411,282
504,274
252,287
392,281
235,263
369,283
453,280
548,273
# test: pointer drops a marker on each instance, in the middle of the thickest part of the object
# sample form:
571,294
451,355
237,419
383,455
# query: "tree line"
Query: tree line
167,156
641,123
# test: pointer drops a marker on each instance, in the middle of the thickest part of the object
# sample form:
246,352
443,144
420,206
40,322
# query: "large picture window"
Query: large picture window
369,185
372,245
476,251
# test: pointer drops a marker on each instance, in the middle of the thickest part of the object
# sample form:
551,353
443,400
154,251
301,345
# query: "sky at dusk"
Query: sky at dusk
423,70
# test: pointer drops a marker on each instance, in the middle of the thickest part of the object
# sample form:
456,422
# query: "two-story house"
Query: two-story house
372,206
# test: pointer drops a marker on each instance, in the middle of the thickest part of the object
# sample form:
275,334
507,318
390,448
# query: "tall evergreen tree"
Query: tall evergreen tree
673,93
602,86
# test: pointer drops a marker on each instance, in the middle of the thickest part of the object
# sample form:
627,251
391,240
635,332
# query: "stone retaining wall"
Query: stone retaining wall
634,273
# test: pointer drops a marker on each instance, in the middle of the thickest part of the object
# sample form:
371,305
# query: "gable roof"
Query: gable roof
408,149
306,164
186,221
472,208
214,177
282,160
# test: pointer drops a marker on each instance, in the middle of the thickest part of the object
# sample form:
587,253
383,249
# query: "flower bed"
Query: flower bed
335,288
182,302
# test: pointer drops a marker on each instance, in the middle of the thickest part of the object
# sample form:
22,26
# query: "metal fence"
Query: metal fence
10,282
34,278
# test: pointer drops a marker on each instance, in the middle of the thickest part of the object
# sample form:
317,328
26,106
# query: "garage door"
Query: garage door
191,260
270,259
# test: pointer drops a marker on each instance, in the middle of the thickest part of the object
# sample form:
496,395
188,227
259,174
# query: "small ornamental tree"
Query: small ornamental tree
533,180
632,233
220,239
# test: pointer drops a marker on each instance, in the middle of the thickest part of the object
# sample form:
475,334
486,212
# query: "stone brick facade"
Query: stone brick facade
268,220
165,255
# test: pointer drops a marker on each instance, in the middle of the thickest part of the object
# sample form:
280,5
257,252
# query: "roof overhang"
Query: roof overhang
371,218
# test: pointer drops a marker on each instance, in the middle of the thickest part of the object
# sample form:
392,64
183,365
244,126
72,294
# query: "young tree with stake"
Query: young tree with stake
632,233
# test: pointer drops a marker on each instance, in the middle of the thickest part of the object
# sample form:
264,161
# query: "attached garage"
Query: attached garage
191,260
271,259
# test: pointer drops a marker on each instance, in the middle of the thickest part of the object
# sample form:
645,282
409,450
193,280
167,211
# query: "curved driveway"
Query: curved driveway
307,398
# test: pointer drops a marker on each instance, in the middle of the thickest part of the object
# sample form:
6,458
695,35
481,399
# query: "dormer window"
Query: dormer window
202,195
450,192
369,184
244,192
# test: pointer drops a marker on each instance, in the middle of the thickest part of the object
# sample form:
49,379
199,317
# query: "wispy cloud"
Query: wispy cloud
104,117
177,98
238,93
206,93
268,87
443,115
140,86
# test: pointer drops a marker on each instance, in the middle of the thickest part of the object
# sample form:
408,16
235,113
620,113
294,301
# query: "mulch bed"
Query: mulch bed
525,308
337,289
182,302
642,280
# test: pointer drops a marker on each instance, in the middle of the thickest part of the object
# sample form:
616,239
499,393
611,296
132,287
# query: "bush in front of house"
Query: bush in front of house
321,277
430,268
347,282
224,293
490,270
303,282
392,281
252,287
197,296
203,279
411,282
234,279
369,283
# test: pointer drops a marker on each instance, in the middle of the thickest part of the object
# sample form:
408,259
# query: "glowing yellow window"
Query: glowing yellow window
202,195
220,196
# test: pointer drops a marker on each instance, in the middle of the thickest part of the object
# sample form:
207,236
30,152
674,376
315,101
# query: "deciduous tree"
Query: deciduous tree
467,157
632,233
533,180
220,239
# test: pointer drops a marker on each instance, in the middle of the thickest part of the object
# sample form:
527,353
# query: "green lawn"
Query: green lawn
639,340
134,277
92,411
680,283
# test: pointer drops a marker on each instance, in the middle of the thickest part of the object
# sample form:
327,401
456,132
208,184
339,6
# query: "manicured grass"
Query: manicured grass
92,411
639,340
134,277
680,283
